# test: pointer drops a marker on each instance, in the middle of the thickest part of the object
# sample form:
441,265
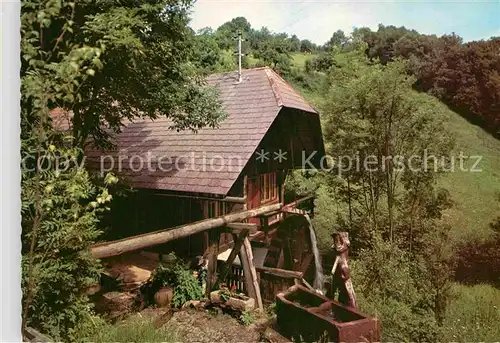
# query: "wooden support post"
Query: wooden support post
284,273
264,223
213,252
238,242
252,283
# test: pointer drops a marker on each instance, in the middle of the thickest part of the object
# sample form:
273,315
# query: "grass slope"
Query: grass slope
300,58
473,315
475,194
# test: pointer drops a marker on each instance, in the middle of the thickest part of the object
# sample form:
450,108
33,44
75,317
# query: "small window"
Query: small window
268,187
214,208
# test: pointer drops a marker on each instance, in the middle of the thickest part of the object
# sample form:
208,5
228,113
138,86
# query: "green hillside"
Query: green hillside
300,58
475,193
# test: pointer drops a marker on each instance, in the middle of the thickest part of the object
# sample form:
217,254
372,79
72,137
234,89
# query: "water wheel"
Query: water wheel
291,248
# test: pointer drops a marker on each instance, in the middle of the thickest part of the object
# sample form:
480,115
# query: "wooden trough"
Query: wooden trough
306,316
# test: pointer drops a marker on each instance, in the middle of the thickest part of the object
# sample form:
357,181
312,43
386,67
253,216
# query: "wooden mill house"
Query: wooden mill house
218,192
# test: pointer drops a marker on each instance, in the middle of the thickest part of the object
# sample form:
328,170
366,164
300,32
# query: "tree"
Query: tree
338,39
227,32
371,116
274,52
140,64
389,148
60,204
106,61
294,43
306,46
208,57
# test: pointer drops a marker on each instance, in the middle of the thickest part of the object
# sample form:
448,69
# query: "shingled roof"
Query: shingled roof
210,160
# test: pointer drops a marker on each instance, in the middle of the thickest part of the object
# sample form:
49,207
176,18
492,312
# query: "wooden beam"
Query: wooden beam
240,227
290,274
252,283
305,263
239,200
293,210
281,259
121,246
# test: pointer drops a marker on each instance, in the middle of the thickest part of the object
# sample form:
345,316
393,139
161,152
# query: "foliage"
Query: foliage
60,205
133,329
209,57
464,75
323,62
392,212
389,286
60,262
134,63
338,39
375,124
214,50
479,259
186,288
176,274
247,318
274,52
226,293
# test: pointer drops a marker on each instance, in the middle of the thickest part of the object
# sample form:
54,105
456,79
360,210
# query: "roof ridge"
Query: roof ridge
274,86
235,71
271,74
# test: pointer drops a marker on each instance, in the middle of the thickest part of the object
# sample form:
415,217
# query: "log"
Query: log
298,202
252,283
121,246
284,273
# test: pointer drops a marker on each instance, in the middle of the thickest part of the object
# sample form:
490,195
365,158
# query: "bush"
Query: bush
323,63
178,275
186,288
389,286
59,223
246,318
479,261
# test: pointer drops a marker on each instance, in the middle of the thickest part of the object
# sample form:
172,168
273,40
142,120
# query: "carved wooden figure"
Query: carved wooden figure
341,277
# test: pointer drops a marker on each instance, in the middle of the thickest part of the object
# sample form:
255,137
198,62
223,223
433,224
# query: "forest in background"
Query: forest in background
370,88
464,75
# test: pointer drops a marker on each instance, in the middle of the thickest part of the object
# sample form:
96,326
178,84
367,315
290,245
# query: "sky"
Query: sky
316,20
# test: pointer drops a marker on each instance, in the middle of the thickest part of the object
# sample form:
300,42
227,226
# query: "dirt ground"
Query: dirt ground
200,325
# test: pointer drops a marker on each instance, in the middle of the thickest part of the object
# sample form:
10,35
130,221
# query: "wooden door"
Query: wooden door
253,197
